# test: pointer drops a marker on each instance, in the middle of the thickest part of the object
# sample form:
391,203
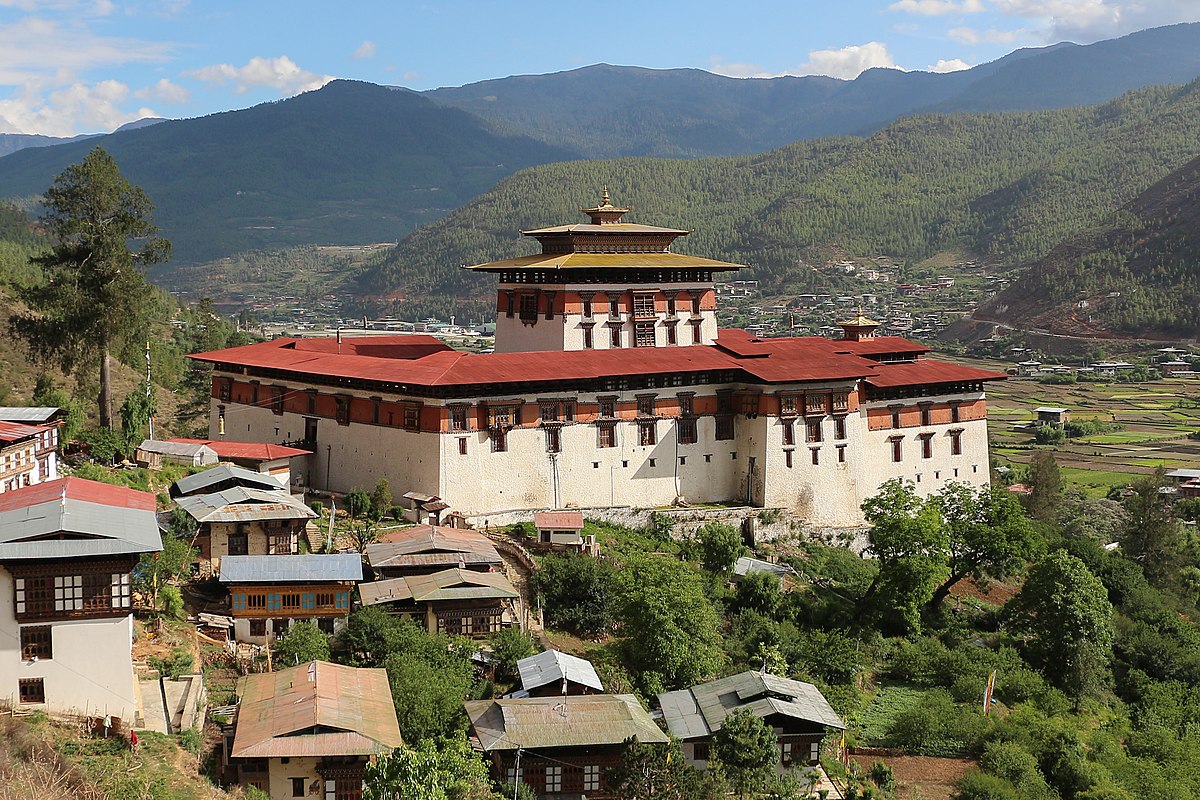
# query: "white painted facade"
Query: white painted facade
90,671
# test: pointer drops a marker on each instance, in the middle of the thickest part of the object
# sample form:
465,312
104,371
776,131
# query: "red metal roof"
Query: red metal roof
252,451
80,489
776,360
15,431
911,373
880,345
558,520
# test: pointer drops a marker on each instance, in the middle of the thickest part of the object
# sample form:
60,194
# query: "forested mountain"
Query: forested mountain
1139,273
1008,186
605,111
352,162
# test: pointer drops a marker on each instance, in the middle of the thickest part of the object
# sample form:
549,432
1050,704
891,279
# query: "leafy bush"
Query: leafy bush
179,662
720,546
358,503
303,642
576,593
191,740
172,602
981,786
508,647
318,507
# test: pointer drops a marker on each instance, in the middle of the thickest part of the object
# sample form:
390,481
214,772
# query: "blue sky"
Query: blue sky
73,66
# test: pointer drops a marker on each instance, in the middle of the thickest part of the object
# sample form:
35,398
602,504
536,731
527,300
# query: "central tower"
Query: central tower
604,284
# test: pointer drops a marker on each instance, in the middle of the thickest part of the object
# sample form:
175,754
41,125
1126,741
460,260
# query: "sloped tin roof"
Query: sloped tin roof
701,710
449,584
554,666
315,709
72,517
547,722
291,569
244,505
190,484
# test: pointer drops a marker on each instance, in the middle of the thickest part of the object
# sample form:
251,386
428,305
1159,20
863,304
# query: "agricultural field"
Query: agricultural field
1151,425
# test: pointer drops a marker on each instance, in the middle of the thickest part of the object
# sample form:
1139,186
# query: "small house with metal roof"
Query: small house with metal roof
269,459
563,528
154,454
310,730
28,454
267,594
456,602
797,711
222,477
68,549
240,522
425,549
565,745
557,674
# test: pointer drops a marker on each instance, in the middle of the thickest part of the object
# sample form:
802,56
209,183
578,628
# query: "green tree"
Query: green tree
745,751
509,646
45,393
1045,481
987,532
445,770
381,500
670,630
576,593
358,503
136,412
655,771
720,546
172,563
1153,536
908,538
95,297
758,591
1065,620
303,642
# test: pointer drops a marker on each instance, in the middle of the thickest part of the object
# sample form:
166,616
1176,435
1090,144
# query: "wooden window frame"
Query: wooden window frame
31,691
37,642
688,433
647,433
606,435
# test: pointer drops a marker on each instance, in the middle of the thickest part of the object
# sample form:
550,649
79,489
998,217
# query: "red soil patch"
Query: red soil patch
996,594
935,778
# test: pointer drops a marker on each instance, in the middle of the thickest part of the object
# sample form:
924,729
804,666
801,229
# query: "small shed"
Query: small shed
1053,416
153,454
554,673
559,527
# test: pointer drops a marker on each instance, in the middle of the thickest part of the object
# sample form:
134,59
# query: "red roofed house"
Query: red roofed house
611,386
270,459
67,550
28,454
559,528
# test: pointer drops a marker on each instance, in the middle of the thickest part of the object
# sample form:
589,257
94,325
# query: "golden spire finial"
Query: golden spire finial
604,200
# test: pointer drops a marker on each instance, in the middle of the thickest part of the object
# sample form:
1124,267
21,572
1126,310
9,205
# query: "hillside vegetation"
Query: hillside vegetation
352,162
1139,273
1005,186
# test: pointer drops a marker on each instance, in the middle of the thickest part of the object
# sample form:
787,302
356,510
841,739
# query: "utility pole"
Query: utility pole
149,389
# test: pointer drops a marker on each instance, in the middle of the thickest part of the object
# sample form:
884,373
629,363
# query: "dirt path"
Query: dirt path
934,778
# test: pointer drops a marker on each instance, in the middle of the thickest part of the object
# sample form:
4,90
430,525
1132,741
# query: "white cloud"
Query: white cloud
364,50
70,109
948,65
1091,20
848,62
967,35
937,8
28,45
165,92
279,73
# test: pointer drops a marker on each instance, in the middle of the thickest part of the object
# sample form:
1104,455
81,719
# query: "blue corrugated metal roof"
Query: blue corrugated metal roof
271,569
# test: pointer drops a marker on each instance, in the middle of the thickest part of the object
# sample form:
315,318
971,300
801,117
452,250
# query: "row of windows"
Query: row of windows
813,430
814,455
258,625
527,305
64,594
926,414
552,778
926,440
291,601
643,334
606,434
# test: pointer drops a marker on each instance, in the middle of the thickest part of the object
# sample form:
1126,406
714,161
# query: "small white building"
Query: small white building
67,551
559,527
153,454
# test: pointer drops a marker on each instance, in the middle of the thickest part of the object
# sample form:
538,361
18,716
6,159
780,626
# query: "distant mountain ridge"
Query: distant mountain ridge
606,111
355,163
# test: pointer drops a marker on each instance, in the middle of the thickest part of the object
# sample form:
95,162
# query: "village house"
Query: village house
267,594
797,711
47,417
426,549
310,730
613,386
28,454
456,602
220,478
67,550
1053,416
269,459
241,522
154,454
566,745
560,528
556,674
